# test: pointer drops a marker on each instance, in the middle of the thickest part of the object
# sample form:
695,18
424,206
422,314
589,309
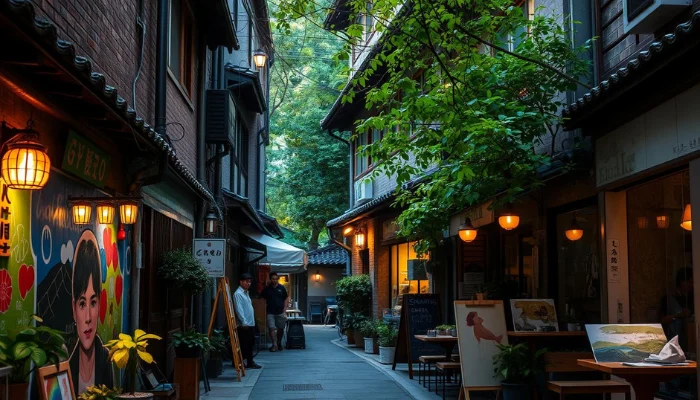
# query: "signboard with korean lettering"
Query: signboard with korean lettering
85,160
211,253
613,260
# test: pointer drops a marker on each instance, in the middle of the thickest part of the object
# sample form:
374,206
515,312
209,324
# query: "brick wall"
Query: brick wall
106,32
618,48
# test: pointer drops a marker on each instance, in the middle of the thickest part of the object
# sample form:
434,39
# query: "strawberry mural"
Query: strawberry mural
5,290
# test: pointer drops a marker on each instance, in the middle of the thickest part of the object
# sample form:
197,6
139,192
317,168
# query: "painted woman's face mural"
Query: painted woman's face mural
86,289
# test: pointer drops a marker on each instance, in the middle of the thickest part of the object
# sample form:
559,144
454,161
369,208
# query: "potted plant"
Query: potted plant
569,321
387,343
378,324
179,268
215,362
101,392
348,324
444,330
125,353
190,344
481,292
27,348
358,321
368,329
518,370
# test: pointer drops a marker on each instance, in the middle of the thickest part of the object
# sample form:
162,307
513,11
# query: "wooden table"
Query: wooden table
644,380
447,342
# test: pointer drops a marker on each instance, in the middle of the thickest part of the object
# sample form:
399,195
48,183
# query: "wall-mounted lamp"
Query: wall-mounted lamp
259,58
105,213
81,212
317,276
508,219
348,231
574,232
467,231
211,223
687,220
360,238
642,222
662,221
106,208
25,164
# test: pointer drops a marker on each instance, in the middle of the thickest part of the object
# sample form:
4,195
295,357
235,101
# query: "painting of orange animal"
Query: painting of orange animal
531,315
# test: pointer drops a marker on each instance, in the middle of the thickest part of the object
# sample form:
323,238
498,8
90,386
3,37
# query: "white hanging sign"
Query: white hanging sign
211,253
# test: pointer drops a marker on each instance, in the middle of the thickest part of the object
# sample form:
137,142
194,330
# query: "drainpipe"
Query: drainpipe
203,301
161,66
334,136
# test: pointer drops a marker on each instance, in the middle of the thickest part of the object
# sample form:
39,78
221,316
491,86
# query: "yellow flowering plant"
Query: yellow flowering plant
99,392
126,351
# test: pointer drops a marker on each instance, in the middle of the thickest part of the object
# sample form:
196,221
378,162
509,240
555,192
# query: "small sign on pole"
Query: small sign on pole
211,253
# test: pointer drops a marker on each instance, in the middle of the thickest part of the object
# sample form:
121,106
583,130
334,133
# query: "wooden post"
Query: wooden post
187,377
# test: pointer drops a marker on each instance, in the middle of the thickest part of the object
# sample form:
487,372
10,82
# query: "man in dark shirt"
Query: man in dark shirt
276,297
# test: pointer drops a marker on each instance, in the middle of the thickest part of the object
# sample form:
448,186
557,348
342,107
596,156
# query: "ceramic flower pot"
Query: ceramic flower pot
386,354
369,345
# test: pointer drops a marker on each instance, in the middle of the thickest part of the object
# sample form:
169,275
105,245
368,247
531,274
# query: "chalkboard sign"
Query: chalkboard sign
419,313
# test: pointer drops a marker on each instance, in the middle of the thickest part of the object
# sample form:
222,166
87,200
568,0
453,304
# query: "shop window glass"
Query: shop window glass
401,254
578,266
520,252
660,266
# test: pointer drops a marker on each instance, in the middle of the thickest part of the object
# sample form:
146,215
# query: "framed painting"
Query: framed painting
55,382
625,342
534,315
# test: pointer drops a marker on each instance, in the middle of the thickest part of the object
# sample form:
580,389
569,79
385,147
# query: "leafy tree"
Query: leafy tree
308,170
469,90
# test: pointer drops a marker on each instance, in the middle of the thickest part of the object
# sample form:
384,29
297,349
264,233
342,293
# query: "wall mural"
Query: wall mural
75,277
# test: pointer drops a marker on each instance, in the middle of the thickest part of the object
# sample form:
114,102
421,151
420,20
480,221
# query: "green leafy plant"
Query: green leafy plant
514,364
368,328
191,339
357,320
27,348
378,325
217,342
99,392
387,336
354,293
180,268
445,327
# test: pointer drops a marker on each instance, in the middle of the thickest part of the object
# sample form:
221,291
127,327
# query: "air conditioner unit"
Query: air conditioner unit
221,117
363,190
647,16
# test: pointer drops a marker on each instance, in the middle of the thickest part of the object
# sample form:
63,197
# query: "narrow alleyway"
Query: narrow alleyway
331,372
337,373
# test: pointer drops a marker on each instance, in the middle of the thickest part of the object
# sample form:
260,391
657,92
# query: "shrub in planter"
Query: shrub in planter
387,342
378,324
444,329
518,370
190,344
27,348
368,329
215,363
354,293
358,321
179,269
349,330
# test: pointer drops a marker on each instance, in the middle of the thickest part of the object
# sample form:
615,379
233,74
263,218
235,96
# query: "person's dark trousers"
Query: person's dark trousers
246,336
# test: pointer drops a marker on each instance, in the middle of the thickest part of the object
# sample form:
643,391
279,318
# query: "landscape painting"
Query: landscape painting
532,315
625,342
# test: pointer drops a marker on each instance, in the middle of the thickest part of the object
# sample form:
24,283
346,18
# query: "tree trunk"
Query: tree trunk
313,240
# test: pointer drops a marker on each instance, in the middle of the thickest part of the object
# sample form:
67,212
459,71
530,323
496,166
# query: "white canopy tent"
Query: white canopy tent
281,257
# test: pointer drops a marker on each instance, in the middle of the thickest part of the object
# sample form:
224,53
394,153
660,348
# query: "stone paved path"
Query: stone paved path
340,374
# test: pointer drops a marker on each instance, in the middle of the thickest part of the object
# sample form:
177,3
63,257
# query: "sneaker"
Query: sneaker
273,349
280,347
254,366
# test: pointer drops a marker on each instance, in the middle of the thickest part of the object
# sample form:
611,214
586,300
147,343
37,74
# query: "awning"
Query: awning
281,257
245,86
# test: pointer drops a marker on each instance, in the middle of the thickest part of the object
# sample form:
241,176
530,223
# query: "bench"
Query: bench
444,367
566,362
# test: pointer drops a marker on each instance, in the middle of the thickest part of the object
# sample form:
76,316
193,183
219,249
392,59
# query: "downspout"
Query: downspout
203,301
334,136
161,66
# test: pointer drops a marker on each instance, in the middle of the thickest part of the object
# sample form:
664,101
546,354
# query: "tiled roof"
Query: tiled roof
46,34
654,54
331,254
357,211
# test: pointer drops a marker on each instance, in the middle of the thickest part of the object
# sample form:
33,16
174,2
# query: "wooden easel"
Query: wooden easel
464,391
224,290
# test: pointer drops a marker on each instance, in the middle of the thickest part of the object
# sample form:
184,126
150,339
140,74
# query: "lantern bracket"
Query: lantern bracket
105,199
7,133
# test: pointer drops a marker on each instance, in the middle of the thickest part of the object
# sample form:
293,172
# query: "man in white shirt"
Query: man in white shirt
245,319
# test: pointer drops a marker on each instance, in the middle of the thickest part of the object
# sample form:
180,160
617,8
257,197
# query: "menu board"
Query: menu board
419,313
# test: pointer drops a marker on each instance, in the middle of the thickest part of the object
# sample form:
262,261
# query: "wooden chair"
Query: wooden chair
427,361
445,367
566,362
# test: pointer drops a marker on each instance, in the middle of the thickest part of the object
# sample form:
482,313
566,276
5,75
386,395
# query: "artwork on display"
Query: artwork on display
625,342
481,326
55,383
75,277
532,315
